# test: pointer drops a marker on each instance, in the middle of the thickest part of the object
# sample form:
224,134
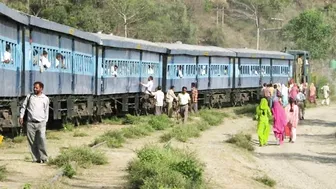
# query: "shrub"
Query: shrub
266,181
114,139
68,127
165,168
129,119
161,122
19,139
82,156
3,172
69,171
242,140
80,134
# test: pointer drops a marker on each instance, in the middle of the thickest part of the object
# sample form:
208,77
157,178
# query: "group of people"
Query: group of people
183,99
287,106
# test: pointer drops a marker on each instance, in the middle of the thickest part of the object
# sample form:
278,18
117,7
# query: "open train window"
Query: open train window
245,70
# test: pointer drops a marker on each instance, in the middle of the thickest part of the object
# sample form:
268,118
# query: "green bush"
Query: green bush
242,140
165,168
131,120
136,131
68,127
114,139
82,156
69,171
266,181
161,122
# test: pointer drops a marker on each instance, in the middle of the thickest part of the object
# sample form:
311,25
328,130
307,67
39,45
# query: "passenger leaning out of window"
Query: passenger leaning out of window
60,60
44,62
114,71
7,56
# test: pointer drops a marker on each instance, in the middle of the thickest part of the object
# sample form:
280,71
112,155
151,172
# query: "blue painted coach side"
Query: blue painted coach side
221,73
11,24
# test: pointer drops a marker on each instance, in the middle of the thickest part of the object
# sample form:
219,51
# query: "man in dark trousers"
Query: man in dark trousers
36,106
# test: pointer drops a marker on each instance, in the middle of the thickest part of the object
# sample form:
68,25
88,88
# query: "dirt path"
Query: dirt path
309,163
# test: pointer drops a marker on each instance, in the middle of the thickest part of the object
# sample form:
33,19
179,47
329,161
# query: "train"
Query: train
92,75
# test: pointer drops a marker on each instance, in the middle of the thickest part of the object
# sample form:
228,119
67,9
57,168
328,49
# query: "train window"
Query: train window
276,70
245,70
202,70
255,70
150,69
284,70
215,70
8,54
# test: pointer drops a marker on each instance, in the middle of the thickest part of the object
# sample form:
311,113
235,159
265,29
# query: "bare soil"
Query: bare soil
310,163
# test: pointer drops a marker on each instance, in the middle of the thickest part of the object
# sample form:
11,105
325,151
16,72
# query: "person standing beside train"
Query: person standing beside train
159,97
169,99
184,100
36,106
194,97
148,85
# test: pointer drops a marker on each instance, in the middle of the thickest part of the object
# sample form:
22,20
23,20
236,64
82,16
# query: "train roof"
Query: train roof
196,50
252,53
128,43
13,14
53,26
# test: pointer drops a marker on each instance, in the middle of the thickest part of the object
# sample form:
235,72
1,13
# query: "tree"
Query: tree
255,10
131,11
309,31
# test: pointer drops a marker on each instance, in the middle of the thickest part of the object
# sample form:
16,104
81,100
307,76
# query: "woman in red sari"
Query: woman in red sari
279,122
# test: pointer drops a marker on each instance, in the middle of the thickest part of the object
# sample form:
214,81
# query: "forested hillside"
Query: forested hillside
263,24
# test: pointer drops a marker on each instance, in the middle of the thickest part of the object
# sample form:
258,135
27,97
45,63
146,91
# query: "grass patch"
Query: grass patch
266,180
3,172
212,117
113,121
80,134
242,140
19,139
114,139
68,127
182,133
82,156
141,126
248,110
165,168
52,136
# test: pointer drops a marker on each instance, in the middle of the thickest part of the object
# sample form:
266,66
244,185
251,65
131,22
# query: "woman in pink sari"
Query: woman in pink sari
292,113
280,121
294,91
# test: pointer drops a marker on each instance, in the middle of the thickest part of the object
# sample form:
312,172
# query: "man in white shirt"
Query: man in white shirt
159,97
59,60
149,85
44,62
7,58
326,94
114,71
169,99
184,100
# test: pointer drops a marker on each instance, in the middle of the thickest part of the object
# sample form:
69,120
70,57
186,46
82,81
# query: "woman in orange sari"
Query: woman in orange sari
312,93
